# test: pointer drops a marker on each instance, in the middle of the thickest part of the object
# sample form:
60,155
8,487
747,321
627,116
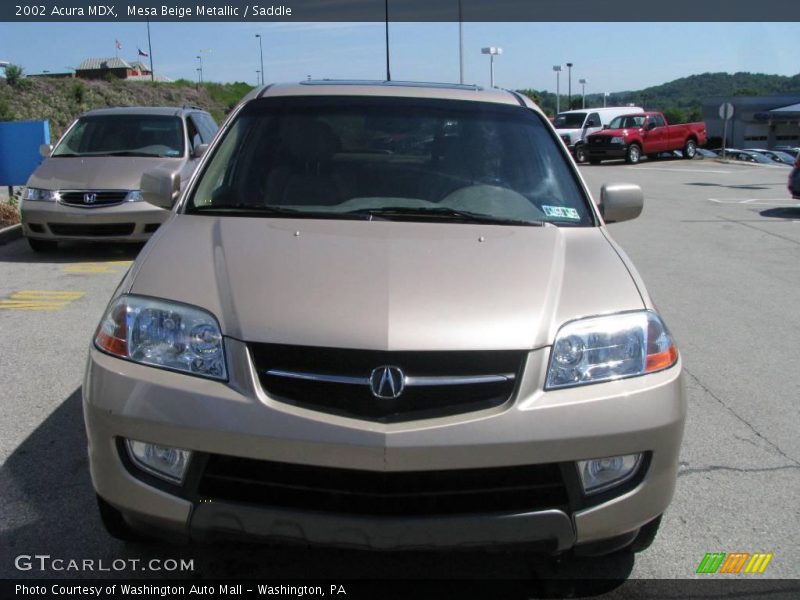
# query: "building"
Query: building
100,68
758,121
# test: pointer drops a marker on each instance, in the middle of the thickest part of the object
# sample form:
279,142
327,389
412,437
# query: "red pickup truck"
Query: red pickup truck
632,136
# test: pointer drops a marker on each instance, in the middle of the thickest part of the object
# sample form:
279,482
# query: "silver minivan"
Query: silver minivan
87,188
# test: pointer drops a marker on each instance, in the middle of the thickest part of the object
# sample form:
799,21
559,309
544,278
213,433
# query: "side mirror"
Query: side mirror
161,187
620,202
199,150
46,150
605,126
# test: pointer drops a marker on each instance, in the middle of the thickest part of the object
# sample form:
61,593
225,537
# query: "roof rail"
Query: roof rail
193,107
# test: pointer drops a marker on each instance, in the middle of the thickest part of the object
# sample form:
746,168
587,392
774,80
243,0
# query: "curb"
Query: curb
11,233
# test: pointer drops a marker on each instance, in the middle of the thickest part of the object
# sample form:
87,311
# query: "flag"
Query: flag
142,52
119,46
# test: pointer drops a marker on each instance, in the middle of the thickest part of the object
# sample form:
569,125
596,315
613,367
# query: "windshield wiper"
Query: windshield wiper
442,212
129,153
263,210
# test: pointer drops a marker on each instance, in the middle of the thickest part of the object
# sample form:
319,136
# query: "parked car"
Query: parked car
439,347
750,156
794,180
777,156
792,150
575,125
87,188
705,153
632,136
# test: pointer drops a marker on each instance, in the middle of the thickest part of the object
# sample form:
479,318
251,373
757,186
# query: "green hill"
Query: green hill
683,97
61,100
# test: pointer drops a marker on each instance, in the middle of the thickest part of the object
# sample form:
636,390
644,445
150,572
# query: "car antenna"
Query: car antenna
386,13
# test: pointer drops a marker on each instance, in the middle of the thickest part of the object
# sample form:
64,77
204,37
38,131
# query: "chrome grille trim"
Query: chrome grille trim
409,380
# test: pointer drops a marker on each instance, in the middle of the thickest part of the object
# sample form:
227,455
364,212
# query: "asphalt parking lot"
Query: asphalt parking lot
718,246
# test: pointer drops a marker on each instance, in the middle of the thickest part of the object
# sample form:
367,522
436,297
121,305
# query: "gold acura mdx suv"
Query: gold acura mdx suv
385,315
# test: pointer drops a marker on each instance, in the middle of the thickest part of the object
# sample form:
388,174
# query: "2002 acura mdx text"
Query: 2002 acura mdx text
387,316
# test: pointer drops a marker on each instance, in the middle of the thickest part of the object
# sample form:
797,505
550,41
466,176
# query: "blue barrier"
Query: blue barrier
19,149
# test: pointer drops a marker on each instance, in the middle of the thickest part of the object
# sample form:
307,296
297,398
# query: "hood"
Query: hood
386,285
572,133
613,132
96,172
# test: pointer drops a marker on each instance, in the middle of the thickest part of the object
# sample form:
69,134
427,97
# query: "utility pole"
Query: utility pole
261,53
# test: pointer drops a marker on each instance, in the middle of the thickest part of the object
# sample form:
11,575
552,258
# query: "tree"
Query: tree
674,115
14,75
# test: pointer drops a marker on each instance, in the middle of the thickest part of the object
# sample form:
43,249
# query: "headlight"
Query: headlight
163,334
610,347
134,196
39,194
617,140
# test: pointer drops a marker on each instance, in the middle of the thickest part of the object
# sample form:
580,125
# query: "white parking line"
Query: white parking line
678,170
767,201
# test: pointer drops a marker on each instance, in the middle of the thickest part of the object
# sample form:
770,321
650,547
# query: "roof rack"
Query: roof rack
192,107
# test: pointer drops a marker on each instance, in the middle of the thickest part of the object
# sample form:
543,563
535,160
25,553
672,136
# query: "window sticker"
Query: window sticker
561,212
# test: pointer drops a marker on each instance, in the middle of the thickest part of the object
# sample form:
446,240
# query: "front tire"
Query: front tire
42,245
690,149
115,524
634,154
580,154
647,534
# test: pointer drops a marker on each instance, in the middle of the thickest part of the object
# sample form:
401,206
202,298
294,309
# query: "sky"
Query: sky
610,56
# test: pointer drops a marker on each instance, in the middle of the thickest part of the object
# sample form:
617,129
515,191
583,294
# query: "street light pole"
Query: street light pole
583,92
460,46
258,77
557,69
605,97
492,51
200,68
569,86
261,53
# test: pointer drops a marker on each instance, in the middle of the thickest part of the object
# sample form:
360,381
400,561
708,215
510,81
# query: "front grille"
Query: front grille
600,140
356,399
408,493
105,230
92,199
151,227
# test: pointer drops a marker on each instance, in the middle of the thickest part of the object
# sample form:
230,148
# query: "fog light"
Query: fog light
162,461
600,474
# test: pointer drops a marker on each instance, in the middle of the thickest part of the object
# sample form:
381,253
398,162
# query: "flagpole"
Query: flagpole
150,50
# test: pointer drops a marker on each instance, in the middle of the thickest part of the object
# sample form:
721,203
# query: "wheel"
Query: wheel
690,149
42,245
580,153
594,161
646,535
115,523
634,154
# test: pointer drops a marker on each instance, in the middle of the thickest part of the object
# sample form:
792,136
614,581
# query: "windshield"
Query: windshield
390,158
569,120
124,135
627,122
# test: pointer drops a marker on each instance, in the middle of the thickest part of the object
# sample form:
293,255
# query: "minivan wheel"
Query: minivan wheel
42,245
115,523
634,154
580,153
690,149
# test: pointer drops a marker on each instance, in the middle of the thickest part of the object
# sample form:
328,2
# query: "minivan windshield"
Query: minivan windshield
124,135
569,120
627,122
390,158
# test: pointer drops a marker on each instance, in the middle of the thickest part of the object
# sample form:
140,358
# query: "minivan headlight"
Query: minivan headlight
163,334
134,196
40,194
610,347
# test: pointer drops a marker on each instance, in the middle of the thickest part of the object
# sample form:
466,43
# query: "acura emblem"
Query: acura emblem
387,382
89,198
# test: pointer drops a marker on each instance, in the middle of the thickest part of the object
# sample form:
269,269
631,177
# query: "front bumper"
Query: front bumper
606,151
125,222
126,400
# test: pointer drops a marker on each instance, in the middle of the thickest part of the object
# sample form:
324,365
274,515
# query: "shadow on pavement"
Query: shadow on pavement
68,252
49,508
782,212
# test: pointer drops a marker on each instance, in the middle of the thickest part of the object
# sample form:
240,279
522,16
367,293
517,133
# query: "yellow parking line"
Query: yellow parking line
114,266
46,300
